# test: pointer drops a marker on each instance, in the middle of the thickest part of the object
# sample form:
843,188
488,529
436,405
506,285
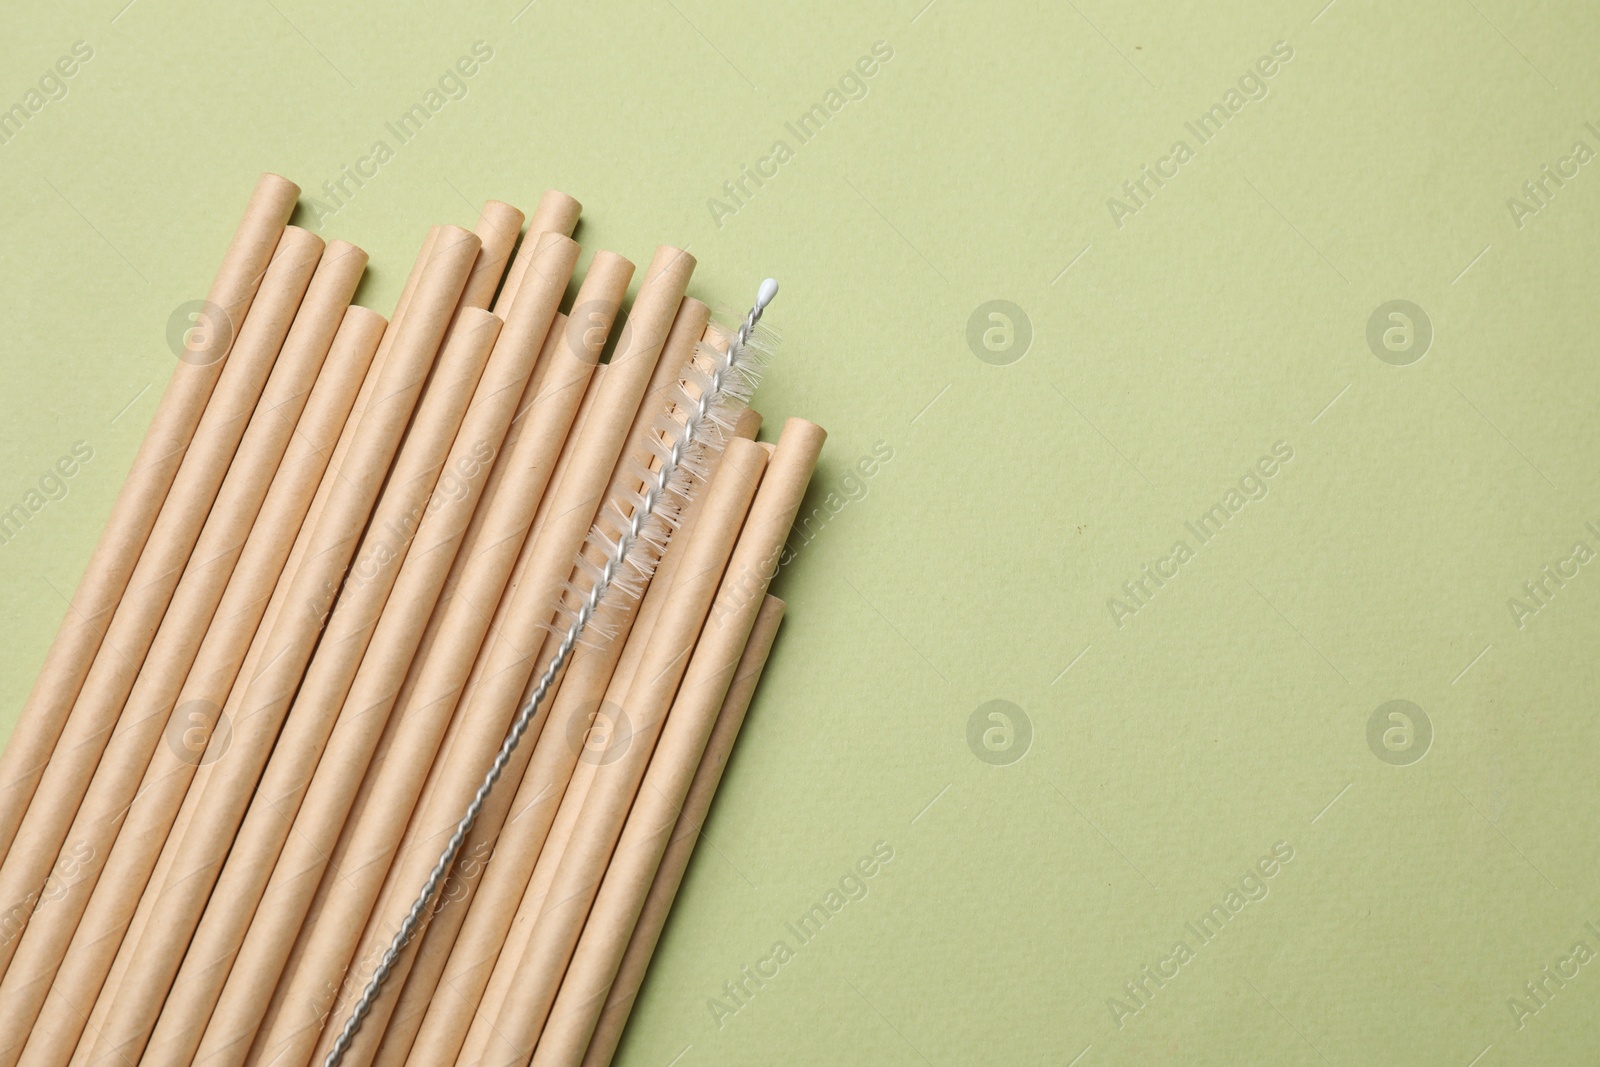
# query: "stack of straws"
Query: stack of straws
345,549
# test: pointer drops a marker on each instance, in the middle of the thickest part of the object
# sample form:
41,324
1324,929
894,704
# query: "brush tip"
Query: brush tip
764,295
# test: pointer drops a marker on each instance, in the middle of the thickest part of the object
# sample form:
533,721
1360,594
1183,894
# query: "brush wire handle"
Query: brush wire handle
728,384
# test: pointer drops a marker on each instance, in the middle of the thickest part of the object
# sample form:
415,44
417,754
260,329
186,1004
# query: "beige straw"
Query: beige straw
354,829
133,626
555,932
480,579
514,652
527,815
140,500
655,809
377,437
331,999
520,894
172,653
436,696
527,901
365,323
685,834
345,758
498,226
556,213
429,695
214,670
473,855
395,521
551,777
150,827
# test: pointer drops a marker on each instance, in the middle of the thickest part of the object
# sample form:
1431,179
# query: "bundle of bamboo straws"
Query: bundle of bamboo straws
345,548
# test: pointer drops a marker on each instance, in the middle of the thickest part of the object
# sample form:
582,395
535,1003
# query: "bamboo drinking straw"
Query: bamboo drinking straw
405,367
345,759
133,626
685,834
368,844
395,521
513,654
556,213
138,502
178,640
556,931
549,778
649,822
209,679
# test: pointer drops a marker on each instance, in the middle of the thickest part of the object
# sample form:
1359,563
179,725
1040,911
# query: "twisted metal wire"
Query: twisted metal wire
616,558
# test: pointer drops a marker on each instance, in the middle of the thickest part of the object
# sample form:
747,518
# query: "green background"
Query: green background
1162,758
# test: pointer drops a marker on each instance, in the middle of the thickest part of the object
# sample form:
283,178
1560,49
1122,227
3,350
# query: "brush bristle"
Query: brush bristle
621,553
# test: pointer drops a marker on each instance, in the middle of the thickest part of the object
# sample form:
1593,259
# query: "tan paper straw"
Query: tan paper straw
685,834
571,361
527,816
556,213
139,501
448,979
522,895
354,834
133,626
172,653
365,466
553,211
527,902
513,653
330,999
400,512
498,226
39,1053
105,926
335,995
367,850
637,857
211,676
359,336
459,880
344,760
364,322
555,932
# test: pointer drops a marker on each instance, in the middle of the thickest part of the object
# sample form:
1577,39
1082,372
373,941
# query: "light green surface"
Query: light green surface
1228,314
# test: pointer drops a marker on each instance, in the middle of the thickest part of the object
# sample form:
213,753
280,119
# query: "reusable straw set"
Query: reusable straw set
384,720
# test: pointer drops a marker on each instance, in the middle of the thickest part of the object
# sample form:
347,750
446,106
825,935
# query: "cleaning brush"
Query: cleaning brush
616,563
